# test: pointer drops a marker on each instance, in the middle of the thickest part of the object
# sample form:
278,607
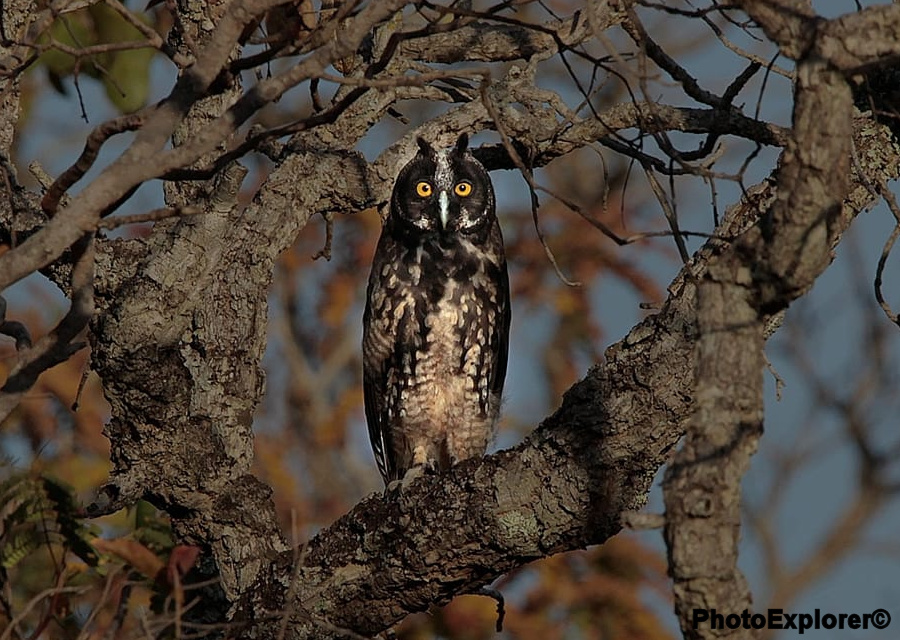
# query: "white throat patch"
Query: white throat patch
443,182
444,202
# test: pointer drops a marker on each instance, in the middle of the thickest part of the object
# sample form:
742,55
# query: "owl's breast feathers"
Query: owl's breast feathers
435,348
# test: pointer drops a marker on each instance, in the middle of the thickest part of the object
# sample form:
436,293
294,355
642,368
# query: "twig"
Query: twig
150,216
526,173
89,51
779,381
885,253
57,346
635,29
752,57
122,610
709,144
112,579
40,174
83,381
668,212
35,601
256,137
415,80
50,202
603,228
76,74
153,38
290,597
325,251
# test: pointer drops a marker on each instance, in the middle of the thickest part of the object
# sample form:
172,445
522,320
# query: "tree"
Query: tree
177,320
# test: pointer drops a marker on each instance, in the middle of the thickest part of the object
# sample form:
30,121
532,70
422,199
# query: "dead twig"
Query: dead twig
886,252
669,212
150,216
102,133
58,345
527,174
325,251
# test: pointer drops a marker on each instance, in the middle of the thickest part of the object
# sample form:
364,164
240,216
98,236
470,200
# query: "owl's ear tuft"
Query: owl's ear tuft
462,143
424,148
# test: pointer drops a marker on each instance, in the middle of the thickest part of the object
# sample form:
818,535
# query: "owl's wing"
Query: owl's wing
380,335
500,335
376,416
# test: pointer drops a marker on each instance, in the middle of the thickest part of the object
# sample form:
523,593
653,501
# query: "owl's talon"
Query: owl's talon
412,474
393,487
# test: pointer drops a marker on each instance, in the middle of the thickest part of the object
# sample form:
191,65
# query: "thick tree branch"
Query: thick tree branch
565,488
780,260
488,41
850,43
145,160
703,483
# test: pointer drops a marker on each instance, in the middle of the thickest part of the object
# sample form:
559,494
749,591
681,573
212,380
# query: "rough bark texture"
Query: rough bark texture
703,482
190,305
795,240
569,484
15,19
181,325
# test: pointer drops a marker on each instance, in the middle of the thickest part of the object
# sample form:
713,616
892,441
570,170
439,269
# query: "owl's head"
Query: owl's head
443,191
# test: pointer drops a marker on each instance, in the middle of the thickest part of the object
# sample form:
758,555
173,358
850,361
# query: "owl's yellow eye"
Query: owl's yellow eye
423,189
463,189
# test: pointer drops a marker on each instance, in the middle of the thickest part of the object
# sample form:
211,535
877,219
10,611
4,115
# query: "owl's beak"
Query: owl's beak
444,205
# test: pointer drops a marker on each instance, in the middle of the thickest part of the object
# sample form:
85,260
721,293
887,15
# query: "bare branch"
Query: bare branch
95,141
529,178
58,345
150,216
138,163
524,501
886,252
669,213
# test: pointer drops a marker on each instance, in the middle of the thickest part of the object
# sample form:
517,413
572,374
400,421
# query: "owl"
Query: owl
436,324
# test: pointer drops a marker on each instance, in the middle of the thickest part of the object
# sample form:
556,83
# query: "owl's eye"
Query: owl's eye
463,189
423,189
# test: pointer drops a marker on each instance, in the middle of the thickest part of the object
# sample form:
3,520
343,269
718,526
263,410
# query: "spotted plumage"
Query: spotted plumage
436,325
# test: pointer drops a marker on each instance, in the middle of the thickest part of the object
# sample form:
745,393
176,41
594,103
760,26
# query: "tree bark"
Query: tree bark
181,327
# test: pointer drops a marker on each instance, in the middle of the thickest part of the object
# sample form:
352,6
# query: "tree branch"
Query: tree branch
565,488
145,159
775,262
850,43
